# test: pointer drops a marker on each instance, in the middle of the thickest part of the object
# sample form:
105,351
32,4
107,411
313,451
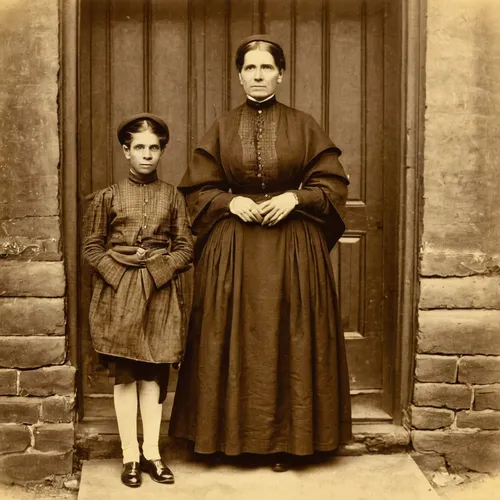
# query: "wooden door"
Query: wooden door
175,58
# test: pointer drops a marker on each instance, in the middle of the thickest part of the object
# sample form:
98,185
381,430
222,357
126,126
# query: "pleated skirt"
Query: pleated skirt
265,368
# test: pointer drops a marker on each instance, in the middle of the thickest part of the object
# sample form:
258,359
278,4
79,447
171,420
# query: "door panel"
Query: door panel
175,58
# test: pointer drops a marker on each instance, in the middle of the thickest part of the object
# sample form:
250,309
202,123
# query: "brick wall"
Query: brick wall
456,402
36,382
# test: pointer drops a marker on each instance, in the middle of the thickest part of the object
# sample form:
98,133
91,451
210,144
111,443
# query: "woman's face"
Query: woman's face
259,74
144,152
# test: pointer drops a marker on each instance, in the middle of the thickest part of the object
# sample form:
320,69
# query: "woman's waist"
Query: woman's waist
258,196
122,246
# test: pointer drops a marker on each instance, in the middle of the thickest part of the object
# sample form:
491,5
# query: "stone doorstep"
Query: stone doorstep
373,477
98,439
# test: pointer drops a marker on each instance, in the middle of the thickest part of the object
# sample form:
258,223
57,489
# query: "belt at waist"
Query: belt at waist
127,254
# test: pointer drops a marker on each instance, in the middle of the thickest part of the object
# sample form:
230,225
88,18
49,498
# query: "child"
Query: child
137,240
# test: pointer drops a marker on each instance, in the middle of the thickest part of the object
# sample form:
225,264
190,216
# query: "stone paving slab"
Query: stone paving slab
368,477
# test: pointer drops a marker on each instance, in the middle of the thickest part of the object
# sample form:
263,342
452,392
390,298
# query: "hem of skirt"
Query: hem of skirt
173,360
263,450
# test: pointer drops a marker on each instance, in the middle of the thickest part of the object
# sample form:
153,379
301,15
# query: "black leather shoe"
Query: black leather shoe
131,474
281,466
157,469
282,462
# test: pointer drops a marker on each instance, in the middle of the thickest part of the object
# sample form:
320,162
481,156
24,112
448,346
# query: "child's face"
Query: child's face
144,152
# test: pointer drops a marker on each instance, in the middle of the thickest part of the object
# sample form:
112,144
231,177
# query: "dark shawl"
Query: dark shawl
209,185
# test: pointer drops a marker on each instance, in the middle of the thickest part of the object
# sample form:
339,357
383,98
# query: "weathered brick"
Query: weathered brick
58,409
30,194
454,263
34,467
479,369
460,293
54,437
97,446
8,382
32,352
459,332
451,396
478,451
33,238
14,438
40,279
37,17
487,420
47,381
436,368
429,463
487,397
431,418
32,316
19,410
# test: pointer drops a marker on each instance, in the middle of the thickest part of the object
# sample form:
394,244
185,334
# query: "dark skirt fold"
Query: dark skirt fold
265,368
126,371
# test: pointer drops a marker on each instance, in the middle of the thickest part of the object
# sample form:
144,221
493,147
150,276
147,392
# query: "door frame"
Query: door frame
409,132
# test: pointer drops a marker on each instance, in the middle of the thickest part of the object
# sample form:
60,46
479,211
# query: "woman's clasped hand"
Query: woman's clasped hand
267,213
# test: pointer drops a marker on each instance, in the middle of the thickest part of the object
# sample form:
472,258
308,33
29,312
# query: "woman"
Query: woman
137,241
265,369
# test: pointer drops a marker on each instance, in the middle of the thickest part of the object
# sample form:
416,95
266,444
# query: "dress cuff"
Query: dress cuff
160,269
111,271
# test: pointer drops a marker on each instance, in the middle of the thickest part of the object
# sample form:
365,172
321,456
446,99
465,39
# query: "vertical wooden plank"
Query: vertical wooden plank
279,23
69,170
373,165
352,297
169,81
392,182
85,187
197,72
309,70
241,26
85,100
100,106
100,143
345,93
219,61
126,71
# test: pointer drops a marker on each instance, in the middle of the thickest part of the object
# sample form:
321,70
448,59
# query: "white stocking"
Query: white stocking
125,398
149,393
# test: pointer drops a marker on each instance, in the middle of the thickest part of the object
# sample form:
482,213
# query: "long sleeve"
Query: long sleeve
95,235
205,185
323,193
163,267
323,187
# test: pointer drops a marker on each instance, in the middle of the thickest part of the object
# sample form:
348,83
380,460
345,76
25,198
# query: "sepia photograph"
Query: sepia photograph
249,249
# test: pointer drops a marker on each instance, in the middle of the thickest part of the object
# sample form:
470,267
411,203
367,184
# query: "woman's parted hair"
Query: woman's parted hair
142,125
274,49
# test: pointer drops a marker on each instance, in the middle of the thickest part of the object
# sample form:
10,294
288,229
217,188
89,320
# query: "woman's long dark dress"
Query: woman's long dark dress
265,368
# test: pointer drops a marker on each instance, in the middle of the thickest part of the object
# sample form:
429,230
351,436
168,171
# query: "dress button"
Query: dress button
260,111
259,175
